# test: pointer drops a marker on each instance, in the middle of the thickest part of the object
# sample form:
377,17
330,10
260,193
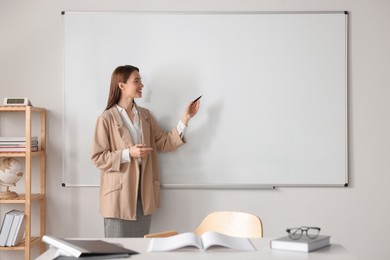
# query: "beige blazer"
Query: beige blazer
119,182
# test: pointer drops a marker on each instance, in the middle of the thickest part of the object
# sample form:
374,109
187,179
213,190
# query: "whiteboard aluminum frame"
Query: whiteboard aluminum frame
65,183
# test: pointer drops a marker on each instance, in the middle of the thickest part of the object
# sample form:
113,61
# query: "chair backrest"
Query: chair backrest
238,224
162,234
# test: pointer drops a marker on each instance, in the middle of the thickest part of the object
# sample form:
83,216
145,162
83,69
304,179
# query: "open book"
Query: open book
207,240
90,249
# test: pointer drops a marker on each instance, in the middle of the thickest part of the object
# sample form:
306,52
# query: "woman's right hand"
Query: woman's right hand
140,151
191,110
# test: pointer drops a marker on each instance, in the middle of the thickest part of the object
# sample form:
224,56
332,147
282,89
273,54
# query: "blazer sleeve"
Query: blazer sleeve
103,156
165,141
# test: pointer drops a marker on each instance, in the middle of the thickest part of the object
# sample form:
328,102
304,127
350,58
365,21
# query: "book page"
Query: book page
174,242
211,238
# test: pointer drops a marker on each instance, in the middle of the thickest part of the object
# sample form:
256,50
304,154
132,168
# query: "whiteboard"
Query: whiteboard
274,86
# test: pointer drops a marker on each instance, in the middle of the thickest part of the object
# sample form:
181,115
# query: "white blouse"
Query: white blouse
136,133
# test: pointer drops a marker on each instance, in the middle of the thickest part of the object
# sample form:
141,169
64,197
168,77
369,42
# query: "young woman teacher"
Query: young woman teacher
125,145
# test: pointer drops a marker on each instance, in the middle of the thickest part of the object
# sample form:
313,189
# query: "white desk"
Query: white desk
333,252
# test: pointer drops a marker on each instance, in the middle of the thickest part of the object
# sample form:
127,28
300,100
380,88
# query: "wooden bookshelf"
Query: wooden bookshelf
28,197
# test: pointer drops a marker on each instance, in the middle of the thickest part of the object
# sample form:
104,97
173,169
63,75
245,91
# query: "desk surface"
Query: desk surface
332,252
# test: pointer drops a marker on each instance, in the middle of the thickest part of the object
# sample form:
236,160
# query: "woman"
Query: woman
125,146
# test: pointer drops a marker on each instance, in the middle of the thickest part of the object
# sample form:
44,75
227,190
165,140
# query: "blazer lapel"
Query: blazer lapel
145,128
122,129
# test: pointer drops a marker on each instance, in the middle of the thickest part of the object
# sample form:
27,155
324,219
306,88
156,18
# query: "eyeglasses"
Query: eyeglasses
296,233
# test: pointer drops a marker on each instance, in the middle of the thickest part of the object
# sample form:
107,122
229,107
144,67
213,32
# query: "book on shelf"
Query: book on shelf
6,226
304,244
17,229
203,242
16,139
88,249
17,144
17,149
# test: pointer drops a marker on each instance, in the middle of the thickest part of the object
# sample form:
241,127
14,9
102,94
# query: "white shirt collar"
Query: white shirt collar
121,109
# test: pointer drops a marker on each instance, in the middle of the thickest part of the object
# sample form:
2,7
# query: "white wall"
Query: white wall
356,216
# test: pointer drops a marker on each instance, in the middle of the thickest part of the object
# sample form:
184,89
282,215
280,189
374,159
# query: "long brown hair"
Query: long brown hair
120,74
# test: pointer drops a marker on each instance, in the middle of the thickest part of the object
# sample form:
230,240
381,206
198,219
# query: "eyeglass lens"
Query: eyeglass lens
296,233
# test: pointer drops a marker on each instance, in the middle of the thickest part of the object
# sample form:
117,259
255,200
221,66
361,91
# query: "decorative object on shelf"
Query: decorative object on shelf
11,171
17,101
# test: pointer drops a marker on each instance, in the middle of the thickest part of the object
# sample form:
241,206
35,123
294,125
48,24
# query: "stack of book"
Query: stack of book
17,144
12,228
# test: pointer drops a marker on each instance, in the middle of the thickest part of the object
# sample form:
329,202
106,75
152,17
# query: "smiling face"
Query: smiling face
132,88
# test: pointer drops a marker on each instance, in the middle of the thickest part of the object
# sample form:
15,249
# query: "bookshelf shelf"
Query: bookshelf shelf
22,245
22,199
28,197
19,154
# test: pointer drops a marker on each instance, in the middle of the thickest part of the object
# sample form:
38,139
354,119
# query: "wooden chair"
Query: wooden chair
232,223
162,234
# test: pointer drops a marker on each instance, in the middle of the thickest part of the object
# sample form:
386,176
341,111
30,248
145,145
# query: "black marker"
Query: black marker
197,99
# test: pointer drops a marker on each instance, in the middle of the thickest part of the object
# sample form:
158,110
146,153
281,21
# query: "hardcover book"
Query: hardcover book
91,249
304,244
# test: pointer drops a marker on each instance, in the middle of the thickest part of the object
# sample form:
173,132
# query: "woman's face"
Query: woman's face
132,88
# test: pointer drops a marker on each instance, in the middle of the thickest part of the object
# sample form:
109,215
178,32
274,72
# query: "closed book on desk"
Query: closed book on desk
88,249
304,244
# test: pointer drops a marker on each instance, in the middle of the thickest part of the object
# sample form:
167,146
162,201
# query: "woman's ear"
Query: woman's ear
120,85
